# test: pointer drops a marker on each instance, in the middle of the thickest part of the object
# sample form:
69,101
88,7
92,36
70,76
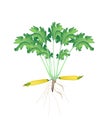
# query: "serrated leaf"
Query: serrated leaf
62,54
18,39
55,30
34,29
40,35
73,30
20,46
82,40
49,37
67,36
89,39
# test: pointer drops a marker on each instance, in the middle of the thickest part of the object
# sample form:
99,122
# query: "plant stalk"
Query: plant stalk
53,61
63,64
49,67
46,67
58,61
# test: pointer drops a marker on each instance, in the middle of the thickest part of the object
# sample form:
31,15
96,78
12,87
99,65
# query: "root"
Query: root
50,92
58,90
59,93
54,87
60,86
44,94
57,103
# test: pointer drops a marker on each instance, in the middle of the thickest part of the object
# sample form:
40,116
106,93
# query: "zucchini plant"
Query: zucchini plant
53,46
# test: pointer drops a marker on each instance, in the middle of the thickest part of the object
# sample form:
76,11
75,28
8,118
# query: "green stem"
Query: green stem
63,64
45,67
49,66
58,61
62,67
53,62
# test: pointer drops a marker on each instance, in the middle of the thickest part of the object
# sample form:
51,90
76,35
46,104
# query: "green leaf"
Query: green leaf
35,42
49,35
18,39
81,40
62,54
67,35
25,40
55,30
39,34
73,30
34,29
89,39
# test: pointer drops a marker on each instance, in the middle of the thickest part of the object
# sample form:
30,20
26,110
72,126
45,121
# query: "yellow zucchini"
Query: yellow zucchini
36,82
74,77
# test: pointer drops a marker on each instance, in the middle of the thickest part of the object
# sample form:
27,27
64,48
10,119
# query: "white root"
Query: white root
44,94
60,86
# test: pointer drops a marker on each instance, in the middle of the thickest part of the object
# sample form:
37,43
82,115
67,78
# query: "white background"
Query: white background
86,106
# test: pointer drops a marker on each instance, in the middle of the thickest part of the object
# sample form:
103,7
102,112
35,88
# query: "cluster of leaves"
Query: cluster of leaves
64,36
62,54
37,40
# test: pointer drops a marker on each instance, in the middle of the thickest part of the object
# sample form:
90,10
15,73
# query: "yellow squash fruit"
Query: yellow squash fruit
36,82
74,77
